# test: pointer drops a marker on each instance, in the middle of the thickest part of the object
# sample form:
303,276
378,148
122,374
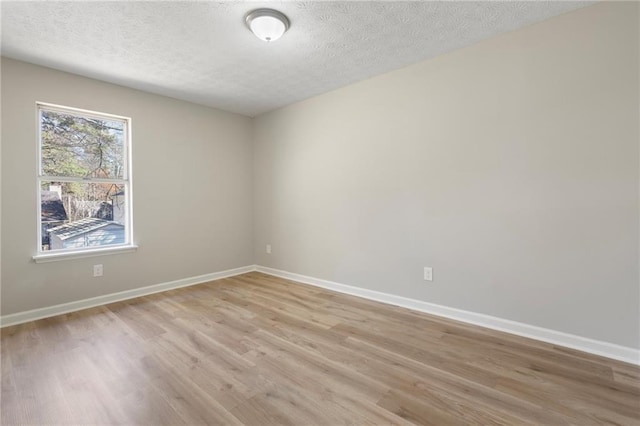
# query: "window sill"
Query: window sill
55,257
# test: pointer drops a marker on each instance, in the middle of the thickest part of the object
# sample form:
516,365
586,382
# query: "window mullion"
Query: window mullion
77,179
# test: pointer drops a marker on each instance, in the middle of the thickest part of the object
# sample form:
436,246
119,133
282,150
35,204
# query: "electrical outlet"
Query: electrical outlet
97,270
428,273
268,249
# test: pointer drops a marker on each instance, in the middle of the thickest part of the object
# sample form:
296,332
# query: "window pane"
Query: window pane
78,146
77,215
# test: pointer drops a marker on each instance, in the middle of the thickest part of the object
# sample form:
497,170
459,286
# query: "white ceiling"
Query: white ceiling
202,52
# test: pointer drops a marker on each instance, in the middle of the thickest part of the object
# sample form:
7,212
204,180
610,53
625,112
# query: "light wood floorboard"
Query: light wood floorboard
260,350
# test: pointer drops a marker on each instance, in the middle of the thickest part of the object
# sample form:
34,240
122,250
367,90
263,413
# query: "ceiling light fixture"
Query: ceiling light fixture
267,24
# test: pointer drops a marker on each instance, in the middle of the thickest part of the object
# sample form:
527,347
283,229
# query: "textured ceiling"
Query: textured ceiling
202,52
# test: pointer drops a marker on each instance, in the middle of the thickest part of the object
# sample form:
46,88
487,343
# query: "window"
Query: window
84,181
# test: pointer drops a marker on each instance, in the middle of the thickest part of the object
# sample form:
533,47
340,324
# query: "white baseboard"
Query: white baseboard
596,347
78,305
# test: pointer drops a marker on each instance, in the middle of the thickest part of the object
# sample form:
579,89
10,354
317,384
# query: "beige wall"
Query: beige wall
191,190
510,167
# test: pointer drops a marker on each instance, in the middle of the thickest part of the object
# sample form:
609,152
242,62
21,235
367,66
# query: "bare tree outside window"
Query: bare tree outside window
83,179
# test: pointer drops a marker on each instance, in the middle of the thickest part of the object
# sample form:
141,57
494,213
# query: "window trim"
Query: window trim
80,254
75,253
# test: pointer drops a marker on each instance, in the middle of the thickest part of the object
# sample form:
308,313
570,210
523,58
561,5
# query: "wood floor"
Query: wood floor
260,350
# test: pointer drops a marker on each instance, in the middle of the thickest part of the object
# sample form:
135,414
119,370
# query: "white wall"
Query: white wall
510,167
191,190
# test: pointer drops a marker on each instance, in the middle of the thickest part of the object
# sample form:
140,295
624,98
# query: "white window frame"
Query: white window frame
126,181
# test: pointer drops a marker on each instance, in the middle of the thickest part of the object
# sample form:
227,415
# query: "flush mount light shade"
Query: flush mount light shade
267,24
